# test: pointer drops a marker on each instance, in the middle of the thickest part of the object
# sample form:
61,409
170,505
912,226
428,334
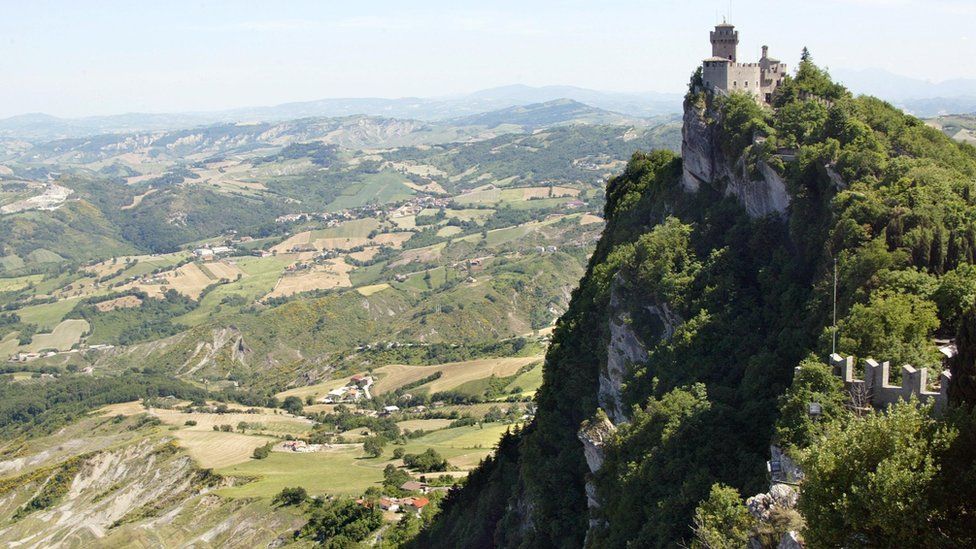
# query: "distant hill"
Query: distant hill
549,113
41,127
916,96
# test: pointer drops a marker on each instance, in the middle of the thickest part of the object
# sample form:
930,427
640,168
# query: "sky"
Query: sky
80,58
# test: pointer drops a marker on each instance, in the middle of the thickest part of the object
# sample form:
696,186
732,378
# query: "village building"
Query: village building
389,504
414,504
723,73
414,486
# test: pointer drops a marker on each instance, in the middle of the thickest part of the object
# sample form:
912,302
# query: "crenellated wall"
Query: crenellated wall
876,387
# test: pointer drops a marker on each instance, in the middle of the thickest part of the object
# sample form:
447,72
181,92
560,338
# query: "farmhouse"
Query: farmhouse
414,504
389,504
414,486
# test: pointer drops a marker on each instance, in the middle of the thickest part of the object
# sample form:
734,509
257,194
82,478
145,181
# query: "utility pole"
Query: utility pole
834,330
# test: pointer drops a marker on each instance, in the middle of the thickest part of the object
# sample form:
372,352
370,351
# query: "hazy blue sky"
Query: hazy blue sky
75,58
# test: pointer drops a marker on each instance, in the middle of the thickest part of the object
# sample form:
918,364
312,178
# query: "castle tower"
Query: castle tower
724,41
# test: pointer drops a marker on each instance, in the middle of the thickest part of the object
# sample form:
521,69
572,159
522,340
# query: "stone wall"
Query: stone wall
879,392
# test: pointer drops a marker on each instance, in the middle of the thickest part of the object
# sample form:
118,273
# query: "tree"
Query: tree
262,452
290,496
862,479
293,405
891,326
427,462
398,453
813,382
722,521
374,445
242,426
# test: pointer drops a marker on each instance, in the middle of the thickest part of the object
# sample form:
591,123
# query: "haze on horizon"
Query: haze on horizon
67,59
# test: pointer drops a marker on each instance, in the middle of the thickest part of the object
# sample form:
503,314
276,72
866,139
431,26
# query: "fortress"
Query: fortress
722,73
877,390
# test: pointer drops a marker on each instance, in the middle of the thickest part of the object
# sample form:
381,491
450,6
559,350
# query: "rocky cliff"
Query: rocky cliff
758,187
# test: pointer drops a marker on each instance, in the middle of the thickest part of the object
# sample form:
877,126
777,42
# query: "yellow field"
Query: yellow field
317,390
450,230
65,334
212,449
299,240
425,424
123,302
392,239
222,269
544,192
365,254
189,280
333,274
424,255
453,373
370,290
405,222
588,219
340,243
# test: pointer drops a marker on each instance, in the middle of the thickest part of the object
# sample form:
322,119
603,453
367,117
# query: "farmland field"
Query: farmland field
333,274
452,374
66,334
346,471
214,449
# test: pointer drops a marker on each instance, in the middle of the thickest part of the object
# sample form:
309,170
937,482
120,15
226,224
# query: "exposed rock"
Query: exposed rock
623,350
594,434
784,495
704,163
759,506
790,540
670,320
835,178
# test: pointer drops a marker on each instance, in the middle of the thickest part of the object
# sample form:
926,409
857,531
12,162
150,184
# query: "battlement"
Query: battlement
877,390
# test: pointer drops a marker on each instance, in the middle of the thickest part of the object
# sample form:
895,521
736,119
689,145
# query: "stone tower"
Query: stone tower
724,41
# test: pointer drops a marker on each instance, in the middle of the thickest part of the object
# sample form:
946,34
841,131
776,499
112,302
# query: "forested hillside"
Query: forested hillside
700,333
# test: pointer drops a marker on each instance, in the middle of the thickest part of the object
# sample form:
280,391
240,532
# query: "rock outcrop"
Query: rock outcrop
761,191
595,434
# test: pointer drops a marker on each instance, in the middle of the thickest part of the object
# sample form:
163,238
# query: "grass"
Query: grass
529,382
453,374
372,289
19,282
66,334
346,471
213,449
380,188
438,277
8,345
48,315
260,276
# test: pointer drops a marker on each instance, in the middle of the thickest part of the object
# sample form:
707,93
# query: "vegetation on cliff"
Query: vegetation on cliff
890,199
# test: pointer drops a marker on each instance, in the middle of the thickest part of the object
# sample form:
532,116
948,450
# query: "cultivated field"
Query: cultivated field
123,302
214,449
346,471
66,334
453,374
333,274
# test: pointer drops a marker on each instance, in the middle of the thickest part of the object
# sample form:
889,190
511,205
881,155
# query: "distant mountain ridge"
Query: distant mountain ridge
42,127
558,111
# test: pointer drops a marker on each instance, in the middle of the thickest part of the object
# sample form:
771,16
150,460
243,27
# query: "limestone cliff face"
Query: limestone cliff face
625,348
761,193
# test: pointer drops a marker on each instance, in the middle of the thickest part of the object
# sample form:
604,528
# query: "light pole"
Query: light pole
833,337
